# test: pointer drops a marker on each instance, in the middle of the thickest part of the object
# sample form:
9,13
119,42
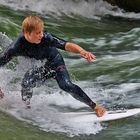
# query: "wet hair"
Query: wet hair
32,23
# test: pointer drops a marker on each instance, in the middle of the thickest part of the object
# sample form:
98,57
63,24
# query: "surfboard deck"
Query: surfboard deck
109,115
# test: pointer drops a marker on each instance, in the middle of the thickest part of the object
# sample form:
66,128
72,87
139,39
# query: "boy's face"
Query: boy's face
35,36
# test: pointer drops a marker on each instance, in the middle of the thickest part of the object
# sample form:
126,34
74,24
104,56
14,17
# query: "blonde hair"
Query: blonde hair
32,23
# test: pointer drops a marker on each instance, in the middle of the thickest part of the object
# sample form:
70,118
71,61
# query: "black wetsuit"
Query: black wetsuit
53,68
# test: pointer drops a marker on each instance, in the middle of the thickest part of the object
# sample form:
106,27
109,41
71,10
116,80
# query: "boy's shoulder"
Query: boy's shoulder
19,40
47,34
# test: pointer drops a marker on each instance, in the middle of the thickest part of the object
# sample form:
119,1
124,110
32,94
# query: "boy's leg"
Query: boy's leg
63,80
29,82
34,77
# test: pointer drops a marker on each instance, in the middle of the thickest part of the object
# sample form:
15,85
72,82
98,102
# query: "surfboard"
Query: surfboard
109,115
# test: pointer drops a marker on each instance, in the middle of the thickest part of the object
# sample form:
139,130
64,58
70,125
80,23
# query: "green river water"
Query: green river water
113,80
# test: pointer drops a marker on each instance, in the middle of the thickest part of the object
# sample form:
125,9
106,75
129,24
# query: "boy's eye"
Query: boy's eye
38,32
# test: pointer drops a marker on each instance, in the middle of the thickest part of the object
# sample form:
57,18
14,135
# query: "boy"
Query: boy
34,43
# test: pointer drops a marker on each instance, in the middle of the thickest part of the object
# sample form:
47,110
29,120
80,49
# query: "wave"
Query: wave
85,8
47,109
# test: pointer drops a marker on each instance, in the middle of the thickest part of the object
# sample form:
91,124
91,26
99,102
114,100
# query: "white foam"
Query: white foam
46,117
44,112
47,109
4,40
56,8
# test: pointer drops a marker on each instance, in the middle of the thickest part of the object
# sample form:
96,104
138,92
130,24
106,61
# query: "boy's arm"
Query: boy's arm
5,57
9,52
71,47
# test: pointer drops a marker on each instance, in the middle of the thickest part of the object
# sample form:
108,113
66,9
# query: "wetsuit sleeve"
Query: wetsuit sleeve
7,55
55,41
11,51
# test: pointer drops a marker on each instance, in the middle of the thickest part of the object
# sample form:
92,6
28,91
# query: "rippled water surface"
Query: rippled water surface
113,80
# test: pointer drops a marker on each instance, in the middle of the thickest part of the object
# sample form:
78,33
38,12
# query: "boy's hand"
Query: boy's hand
100,111
88,55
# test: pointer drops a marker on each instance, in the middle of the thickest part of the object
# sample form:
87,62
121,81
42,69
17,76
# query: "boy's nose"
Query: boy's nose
41,35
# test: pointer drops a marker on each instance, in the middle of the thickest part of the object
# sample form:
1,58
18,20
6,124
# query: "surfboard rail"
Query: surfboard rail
109,115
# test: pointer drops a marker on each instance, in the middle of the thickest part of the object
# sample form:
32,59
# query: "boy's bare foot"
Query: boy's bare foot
27,104
100,111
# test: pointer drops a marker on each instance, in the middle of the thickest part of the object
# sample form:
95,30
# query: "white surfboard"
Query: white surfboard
109,115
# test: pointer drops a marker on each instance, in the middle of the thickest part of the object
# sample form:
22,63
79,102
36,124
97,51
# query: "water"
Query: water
112,80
